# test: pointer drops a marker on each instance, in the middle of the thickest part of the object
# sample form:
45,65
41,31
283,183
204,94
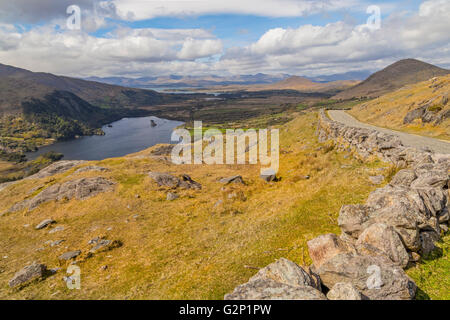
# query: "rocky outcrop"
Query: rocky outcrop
170,181
44,224
398,223
233,179
377,278
28,273
56,168
265,289
51,170
79,189
92,169
281,280
344,291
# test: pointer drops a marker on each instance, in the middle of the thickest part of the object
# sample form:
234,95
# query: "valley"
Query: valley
141,227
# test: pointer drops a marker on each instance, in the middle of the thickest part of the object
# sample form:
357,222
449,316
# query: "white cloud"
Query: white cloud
147,9
308,50
78,53
333,47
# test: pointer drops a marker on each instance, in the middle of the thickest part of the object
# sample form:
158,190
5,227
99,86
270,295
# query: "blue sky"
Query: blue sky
241,29
150,37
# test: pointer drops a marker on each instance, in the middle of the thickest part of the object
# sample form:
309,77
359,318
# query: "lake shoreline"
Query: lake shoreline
130,134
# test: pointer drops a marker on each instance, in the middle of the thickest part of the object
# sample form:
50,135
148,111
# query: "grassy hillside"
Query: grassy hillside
187,248
393,77
391,110
195,247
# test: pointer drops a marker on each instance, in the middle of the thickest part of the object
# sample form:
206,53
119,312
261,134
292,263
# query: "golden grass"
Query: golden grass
188,248
389,110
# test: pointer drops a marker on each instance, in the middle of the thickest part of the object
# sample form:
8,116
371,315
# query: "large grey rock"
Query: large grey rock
344,291
427,242
69,255
102,245
325,247
79,189
352,218
402,220
28,273
404,178
414,114
390,283
285,271
170,181
234,179
385,240
44,224
92,169
266,289
56,168
433,177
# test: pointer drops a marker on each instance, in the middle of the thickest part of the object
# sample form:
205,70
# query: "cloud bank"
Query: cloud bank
336,47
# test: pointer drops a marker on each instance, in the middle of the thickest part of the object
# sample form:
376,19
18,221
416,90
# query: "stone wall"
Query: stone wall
397,225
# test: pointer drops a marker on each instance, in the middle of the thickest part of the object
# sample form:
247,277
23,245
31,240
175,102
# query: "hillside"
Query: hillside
37,108
421,108
17,84
194,247
130,242
393,77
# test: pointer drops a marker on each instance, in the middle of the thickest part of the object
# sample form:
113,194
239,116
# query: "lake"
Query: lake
126,136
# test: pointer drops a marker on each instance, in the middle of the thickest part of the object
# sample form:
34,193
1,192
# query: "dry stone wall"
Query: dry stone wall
398,224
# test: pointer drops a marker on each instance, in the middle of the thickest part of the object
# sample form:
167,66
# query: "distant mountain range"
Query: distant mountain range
393,77
177,82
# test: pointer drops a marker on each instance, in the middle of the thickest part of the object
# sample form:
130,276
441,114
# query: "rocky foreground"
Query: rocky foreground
397,225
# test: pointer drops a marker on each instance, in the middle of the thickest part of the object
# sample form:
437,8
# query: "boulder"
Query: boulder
69,255
266,289
79,189
28,273
170,181
375,277
104,245
325,247
44,224
56,168
427,242
414,114
285,271
436,178
234,179
386,241
404,178
344,291
269,176
402,220
352,217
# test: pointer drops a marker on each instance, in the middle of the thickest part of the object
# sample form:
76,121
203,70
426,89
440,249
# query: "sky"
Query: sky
149,38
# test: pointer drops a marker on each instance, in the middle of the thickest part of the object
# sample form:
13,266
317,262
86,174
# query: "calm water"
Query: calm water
126,136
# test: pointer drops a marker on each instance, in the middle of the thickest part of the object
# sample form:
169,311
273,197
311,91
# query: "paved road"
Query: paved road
407,139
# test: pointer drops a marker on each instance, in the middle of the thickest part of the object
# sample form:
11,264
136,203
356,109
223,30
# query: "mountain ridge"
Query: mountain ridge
393,77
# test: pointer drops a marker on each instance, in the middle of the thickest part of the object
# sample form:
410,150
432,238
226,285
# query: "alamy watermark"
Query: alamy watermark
74,20
233,147
374,21
73,281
